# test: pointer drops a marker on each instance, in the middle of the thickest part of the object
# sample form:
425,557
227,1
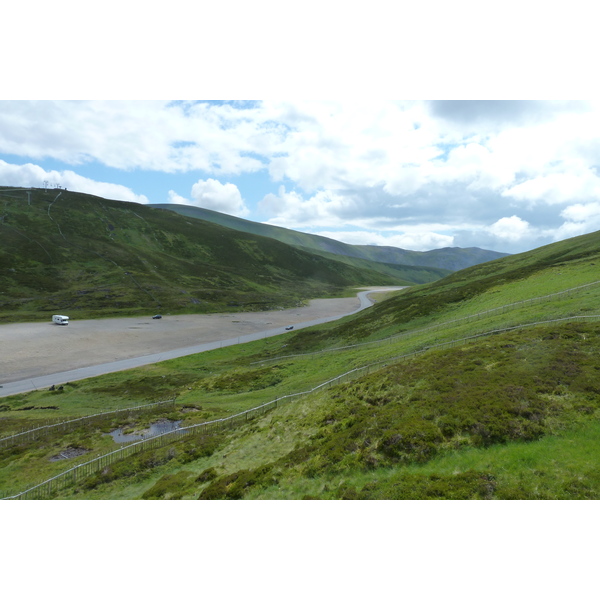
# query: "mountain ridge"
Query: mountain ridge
449,258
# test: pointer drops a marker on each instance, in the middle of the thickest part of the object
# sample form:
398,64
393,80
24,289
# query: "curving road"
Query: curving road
39,380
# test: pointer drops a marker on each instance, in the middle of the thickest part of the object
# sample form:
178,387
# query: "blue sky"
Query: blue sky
503,175
153,184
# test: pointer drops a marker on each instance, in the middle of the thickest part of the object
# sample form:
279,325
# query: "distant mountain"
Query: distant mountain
449,259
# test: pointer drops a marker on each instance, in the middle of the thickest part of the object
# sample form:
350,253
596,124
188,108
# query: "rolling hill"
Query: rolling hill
482,385
65,251
449,259
558,261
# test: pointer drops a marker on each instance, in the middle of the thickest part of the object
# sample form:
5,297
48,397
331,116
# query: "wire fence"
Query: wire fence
439,326
29,435
463,340
69,478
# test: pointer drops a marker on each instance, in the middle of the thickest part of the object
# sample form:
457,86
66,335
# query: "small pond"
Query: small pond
157,428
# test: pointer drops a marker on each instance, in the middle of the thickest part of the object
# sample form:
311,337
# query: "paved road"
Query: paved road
44,381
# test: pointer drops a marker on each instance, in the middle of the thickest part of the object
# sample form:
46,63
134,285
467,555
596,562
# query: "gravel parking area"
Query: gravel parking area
30,350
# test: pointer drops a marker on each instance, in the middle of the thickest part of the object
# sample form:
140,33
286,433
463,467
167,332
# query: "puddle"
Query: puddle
154,429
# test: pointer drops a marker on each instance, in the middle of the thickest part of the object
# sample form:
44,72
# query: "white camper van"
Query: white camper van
60,319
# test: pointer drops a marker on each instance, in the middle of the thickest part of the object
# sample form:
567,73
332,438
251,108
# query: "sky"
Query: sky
441,124
502,175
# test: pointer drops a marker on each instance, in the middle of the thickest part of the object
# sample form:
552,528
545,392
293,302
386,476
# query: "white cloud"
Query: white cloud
322,145
379,165
152,135
406,180
273,204
512,229
290,209
420,223
557,188
582,212
571,229
416,239
474,165
30,175
579,219
175,198
337,145
214,195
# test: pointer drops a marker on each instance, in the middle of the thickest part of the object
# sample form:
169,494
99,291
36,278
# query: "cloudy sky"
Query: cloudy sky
503,175
507,175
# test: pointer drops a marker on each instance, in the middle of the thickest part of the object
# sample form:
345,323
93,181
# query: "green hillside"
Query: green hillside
547,268
410,274
483,385
62,251
448,259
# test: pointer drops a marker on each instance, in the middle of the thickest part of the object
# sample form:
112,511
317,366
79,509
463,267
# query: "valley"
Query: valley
482,384
96,258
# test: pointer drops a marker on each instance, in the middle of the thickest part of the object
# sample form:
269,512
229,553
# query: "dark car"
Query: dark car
157,317
289,327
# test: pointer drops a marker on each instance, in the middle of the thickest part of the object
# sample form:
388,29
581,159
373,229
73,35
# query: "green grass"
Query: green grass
508,415
405,419
422,430
555,467
539,272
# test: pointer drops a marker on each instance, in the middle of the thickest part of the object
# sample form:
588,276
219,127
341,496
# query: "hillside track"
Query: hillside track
35,355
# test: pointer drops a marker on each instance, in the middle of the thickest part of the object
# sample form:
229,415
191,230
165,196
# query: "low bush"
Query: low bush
172,486
488,393
470,485
207,475
235,485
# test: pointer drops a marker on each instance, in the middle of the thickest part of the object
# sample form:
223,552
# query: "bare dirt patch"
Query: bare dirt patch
69,452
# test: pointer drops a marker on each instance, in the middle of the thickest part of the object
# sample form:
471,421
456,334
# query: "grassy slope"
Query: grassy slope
449,259
90,257
513,415
529,274
411,274
326,247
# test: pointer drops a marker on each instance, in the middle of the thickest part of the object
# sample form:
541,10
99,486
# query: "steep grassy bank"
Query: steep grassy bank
542,271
